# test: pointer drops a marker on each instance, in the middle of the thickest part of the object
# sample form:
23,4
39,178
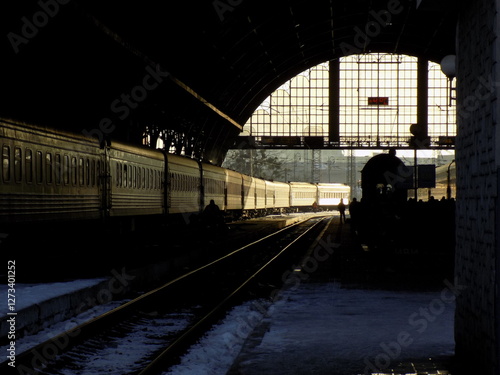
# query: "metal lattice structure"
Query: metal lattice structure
378,101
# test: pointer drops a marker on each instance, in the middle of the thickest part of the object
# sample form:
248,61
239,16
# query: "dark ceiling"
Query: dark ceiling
198,68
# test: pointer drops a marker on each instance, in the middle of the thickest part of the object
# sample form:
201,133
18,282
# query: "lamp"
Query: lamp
448,66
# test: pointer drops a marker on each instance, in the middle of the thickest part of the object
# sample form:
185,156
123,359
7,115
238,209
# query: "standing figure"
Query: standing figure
341,208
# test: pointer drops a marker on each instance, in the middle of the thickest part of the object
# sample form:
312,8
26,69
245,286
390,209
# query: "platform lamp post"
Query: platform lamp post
448,67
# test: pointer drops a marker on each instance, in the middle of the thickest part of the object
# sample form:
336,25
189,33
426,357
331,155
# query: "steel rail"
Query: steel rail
27,361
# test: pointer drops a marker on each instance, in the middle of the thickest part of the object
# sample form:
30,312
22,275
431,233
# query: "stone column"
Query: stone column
477,160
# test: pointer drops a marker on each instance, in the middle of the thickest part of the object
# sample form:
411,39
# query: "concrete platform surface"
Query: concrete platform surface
356,312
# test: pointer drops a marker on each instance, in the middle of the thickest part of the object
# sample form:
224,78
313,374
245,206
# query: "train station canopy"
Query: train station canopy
194,70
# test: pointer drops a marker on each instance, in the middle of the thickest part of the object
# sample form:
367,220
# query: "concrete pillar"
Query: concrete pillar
478,162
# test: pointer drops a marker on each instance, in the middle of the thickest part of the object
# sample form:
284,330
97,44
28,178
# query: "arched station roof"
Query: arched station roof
75,63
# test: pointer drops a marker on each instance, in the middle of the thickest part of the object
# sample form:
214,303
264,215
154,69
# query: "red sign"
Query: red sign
378,100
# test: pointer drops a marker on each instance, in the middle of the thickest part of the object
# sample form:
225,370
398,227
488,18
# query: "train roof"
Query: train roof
46,131
137,149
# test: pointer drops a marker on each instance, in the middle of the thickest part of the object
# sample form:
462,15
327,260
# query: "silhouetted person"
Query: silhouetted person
212,216
315,206
341,208
212,209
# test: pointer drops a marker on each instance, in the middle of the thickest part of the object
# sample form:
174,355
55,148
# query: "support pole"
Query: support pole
334,102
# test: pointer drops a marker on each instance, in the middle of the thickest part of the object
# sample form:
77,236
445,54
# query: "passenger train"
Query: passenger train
47,174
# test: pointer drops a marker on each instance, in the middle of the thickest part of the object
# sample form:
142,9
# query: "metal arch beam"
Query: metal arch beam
207,103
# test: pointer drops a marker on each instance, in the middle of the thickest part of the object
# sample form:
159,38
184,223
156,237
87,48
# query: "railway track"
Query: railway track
151,332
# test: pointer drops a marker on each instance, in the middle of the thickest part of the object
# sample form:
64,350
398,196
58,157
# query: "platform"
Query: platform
356,312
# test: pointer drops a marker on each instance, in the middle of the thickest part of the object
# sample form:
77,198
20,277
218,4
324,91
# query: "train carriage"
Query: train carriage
214,185
269,194
260,194
303,194
234,188
136,186
329,195
248,193
281,195
48,175
183,185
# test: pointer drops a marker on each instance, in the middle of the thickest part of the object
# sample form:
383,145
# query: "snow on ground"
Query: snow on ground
26,343
127,354
31,294
215,353
315,328
326,329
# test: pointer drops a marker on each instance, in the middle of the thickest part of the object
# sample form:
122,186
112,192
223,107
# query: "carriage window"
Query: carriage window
81,172
58,168
66,170
18,164
87,172
6,163
73,170
125,175
118,174
28,164
48,167
39,167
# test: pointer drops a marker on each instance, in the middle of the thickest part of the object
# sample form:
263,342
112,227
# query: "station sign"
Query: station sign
378,100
